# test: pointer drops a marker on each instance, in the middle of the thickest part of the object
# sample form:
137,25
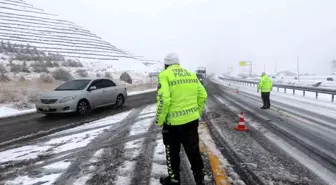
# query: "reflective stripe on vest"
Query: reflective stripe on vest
183,81
182,113
160,106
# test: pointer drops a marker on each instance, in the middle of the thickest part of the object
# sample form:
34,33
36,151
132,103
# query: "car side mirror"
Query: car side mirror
92,88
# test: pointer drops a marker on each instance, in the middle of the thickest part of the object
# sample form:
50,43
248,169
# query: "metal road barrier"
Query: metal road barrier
316,90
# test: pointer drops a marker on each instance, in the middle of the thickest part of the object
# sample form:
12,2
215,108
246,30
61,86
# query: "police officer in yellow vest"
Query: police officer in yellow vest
265,86
180,102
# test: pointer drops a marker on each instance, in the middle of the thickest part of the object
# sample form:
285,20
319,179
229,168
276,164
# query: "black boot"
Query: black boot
169,181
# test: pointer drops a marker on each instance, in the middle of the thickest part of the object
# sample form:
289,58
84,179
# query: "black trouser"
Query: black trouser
187,135
266,99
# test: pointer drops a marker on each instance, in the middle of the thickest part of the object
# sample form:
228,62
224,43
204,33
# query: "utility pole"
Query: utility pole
298,67
265,68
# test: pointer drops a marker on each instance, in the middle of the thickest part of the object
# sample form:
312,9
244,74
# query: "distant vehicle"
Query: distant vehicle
201,70
330,79
201,78
82,96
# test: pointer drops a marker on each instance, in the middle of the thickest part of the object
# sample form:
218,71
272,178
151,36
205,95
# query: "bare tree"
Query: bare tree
46,78
25,67
62,74
126,77
82,73
2,69
108,75
15,68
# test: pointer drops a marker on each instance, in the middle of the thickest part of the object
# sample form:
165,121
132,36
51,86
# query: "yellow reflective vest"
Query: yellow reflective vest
265,84
181,97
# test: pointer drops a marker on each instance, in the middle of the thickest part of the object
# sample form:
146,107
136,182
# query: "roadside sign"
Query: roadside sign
242,63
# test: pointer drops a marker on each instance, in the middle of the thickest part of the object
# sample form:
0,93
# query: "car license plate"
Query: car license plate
45,108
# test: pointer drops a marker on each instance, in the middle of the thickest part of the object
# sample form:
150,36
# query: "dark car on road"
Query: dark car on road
201,78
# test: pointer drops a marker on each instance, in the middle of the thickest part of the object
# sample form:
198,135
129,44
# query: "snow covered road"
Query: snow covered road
297,136
73,156
36,125
122,149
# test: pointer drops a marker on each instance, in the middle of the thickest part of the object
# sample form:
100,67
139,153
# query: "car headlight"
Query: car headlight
66,99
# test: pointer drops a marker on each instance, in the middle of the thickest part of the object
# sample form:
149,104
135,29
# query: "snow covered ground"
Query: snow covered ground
159,167
21,23
323,105
304,80
9,112
47,155
226,176
45,160
133,148
281,118
254,151
303,158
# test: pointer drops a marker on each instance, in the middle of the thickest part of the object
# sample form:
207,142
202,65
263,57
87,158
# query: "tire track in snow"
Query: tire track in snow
113,162
42,160
73,171
63,152
121,160
27,158
144,165
159,167
136,166
187,177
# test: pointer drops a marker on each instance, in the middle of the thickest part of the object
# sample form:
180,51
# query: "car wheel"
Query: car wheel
120,101
83,107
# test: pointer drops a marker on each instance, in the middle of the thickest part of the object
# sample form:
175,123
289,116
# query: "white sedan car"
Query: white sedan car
82,96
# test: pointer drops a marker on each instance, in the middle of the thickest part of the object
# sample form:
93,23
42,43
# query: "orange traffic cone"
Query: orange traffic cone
237,91
241,125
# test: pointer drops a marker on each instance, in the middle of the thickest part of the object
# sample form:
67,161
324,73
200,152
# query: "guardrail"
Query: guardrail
316,90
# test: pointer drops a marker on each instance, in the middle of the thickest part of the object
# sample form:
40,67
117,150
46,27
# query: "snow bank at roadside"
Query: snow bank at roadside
11,112
141,92
326,108
205,137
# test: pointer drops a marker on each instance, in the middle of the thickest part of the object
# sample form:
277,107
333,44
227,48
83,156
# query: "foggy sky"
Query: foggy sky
213,33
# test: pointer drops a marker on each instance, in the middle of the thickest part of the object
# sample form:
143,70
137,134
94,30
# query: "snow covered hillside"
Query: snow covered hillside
38,52
22,24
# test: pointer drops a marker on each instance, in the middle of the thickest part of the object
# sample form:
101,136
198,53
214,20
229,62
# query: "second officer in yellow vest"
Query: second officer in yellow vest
180,102
265,86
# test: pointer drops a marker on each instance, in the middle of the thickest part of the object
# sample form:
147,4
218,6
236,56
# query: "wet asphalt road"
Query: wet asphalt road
315,135
13,128
113,165
33,123
312,137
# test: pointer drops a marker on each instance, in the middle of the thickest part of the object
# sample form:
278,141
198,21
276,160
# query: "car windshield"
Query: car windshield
73,85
